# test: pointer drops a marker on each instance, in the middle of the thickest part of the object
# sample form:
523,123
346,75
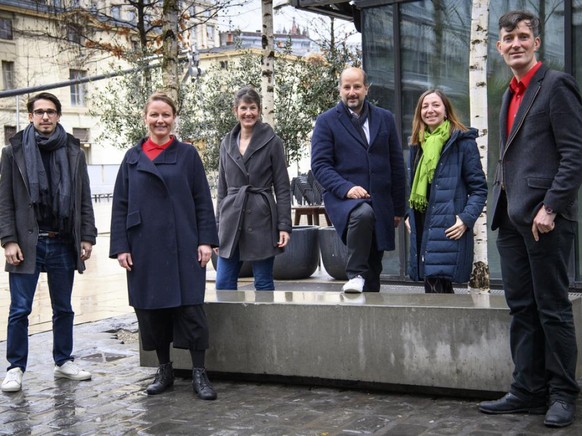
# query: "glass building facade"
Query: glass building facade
412,45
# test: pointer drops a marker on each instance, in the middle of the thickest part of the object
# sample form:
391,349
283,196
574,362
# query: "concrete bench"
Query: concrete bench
457,344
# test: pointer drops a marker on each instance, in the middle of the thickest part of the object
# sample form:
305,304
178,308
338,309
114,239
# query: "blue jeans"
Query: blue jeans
57,259
227,271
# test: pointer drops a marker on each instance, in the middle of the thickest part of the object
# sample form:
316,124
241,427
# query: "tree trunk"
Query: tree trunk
170,79
479,280
268,61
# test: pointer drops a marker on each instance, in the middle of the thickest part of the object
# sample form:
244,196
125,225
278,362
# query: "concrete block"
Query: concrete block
423,341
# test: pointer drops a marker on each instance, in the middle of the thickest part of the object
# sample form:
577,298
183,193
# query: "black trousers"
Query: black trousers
185,326
364,258
542,335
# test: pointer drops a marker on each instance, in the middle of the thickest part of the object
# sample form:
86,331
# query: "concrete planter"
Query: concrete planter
333,253
301,256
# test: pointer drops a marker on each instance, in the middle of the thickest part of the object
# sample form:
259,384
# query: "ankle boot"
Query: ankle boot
201,385
164,379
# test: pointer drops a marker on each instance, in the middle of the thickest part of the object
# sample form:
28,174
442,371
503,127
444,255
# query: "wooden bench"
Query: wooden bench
312,212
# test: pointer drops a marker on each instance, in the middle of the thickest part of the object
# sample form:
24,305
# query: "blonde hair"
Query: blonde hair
160,96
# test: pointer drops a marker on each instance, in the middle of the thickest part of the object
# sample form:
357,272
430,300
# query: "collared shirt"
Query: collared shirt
153,150
365,126
518,89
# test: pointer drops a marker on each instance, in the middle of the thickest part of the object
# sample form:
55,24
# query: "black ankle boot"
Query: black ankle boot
201,385
164,379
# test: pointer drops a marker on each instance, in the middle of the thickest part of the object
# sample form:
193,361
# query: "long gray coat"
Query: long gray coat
247,213
162,211
17,219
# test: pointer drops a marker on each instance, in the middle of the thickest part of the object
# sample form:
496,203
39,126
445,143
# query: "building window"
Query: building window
9,132
210,35
116,12
74,33
8,74
224,65
78,90
5,28
82,135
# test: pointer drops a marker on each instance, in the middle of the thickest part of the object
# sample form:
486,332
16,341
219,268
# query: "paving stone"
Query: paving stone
114,402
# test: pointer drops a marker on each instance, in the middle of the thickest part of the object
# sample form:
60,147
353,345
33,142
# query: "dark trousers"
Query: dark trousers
542,335
185,326
364,258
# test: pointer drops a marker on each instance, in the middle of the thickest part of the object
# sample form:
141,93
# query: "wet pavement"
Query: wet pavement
114,401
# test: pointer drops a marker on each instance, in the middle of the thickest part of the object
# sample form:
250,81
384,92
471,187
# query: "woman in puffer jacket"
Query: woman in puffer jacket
448,193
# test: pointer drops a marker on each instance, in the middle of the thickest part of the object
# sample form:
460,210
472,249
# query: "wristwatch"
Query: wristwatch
549,210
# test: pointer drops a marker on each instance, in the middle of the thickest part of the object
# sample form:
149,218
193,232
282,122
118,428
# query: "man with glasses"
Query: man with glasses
47,225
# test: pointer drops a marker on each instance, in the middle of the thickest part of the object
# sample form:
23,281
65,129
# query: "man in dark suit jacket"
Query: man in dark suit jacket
534,207
357,157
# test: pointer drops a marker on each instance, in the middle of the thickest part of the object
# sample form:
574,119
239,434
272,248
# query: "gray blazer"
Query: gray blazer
17,219
541,160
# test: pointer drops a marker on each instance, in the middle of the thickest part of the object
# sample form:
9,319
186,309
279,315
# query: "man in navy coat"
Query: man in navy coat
357,157
534,207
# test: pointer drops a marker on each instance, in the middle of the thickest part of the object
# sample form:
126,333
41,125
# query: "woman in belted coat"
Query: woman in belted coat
448,193
163,230
254,196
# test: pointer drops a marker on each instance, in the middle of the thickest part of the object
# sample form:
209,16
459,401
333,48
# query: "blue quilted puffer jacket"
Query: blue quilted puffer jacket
458,188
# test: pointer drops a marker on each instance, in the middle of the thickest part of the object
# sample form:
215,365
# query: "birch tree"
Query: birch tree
268,63
480,278
170,81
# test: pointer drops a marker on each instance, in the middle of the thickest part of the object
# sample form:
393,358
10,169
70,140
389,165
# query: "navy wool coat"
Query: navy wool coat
162,211
254,195
458,188
340,160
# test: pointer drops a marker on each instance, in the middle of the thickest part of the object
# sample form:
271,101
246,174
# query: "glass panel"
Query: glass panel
435,53
378,53
551,13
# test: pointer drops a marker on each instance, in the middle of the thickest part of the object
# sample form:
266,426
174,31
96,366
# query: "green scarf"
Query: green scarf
432,146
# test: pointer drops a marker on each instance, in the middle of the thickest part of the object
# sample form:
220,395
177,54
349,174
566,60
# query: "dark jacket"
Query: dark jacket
340,160
18,222
540,161
458,188
162,211
247,213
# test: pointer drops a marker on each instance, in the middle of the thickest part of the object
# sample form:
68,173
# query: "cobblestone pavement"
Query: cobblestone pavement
114,402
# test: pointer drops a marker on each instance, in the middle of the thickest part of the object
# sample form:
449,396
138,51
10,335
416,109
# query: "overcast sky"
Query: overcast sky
249,19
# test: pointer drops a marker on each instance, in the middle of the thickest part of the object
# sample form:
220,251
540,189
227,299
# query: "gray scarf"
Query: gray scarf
57,196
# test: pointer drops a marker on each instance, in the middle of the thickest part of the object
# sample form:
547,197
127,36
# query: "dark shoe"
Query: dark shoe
201,385
560,414
512,404
164,379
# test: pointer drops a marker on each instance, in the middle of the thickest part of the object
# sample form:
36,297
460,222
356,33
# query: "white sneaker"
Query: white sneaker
71,371
13,381
354,285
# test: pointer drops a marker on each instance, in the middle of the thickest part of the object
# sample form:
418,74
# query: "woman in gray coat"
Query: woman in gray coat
253,224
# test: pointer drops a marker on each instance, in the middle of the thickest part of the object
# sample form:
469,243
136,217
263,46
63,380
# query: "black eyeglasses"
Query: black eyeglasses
41,112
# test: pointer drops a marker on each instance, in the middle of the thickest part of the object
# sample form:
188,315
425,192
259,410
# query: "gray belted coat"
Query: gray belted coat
254,195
